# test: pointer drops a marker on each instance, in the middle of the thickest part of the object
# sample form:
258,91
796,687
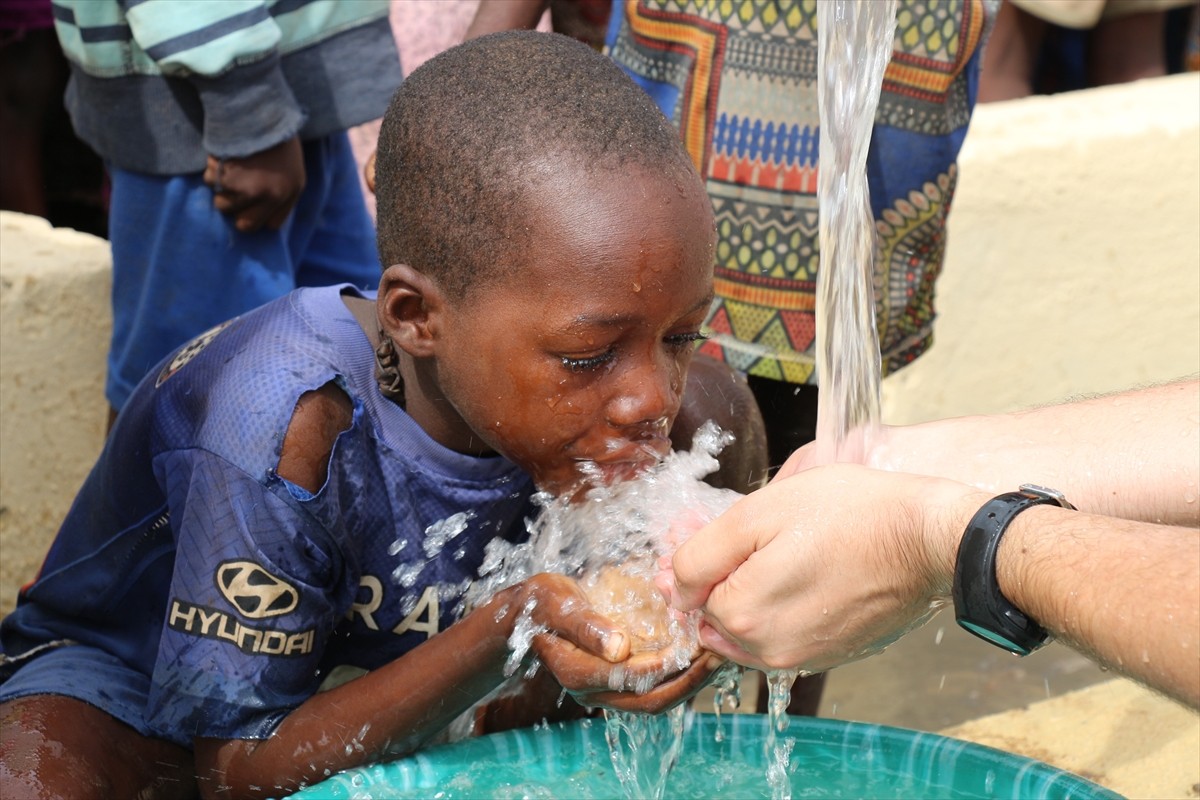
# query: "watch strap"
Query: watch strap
979,605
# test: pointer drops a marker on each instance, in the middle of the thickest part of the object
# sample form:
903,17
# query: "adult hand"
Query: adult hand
822,567
590,655
260,189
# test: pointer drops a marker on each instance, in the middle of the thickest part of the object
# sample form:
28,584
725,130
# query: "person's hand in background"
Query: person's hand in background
260,189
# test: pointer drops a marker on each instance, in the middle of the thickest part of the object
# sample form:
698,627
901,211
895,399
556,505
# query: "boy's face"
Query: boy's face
580,357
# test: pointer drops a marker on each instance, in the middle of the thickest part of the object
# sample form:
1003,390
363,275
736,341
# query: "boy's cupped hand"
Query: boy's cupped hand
591,656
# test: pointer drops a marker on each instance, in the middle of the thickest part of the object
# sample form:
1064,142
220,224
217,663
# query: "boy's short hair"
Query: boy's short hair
458,144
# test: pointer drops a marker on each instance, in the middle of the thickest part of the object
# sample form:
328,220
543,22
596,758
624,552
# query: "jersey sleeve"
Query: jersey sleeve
257,587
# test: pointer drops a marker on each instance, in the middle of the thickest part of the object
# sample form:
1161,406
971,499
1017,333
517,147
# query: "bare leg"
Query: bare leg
58,747
1011,55
1127,48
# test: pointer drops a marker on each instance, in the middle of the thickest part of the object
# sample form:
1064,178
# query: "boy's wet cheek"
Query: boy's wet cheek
563,407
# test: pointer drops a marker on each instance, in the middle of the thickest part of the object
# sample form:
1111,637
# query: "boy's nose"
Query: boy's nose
647,396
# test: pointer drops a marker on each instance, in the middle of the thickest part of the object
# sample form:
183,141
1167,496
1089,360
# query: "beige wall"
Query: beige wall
1073,263
1074,266
54,328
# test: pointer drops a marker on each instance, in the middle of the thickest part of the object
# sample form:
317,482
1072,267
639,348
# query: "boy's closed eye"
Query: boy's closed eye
684,339
589,363
593,362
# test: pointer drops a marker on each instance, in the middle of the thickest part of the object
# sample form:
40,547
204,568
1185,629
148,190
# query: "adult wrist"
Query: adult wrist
947,507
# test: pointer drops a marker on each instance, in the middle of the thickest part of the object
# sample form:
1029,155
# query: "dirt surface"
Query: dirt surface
1116,734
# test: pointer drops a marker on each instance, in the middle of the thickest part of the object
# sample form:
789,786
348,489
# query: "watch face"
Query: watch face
995,638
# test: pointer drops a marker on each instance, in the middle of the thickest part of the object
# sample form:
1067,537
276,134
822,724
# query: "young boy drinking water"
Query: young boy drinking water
312,485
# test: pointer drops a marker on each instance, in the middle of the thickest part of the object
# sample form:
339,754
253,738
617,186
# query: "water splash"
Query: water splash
611,542
727,685
440,533
612,539
854,44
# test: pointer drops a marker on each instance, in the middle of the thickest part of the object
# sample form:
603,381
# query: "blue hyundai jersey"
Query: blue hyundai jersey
186,556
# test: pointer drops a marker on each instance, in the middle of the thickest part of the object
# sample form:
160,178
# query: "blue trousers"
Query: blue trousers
180,266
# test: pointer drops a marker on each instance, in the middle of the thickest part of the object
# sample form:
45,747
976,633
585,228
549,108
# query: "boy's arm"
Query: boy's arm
261,189
380,715
396,708
716,392
229,53
393,710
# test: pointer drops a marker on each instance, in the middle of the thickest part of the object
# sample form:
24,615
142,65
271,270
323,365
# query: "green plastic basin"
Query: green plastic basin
830,759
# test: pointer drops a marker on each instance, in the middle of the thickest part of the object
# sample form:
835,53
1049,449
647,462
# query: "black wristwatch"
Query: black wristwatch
978,604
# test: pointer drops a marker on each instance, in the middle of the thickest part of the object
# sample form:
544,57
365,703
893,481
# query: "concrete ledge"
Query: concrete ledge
55,322
1116,734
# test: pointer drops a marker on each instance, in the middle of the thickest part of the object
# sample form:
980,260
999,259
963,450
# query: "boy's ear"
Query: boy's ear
409,309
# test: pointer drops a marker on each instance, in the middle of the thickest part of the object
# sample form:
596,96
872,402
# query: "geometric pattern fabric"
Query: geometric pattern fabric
739,80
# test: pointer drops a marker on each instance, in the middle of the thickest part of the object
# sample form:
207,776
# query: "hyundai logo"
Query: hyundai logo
253,591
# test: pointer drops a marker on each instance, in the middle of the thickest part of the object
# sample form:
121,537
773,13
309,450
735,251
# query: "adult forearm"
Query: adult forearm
1134,455
1125,593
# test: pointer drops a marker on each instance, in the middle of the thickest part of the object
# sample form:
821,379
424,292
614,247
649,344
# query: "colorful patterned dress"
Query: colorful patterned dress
739,79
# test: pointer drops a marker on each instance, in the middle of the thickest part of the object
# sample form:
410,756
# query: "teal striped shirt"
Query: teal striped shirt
157,85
